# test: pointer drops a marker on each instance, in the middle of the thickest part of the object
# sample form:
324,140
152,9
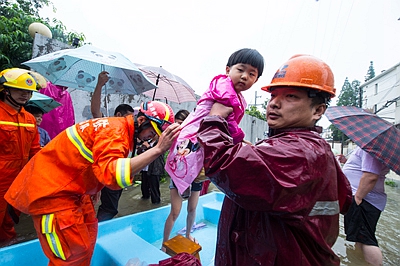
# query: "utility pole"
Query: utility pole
255,99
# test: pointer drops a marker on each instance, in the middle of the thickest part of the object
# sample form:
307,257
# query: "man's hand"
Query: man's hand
221,110
367,183
168,136
103,78
96,197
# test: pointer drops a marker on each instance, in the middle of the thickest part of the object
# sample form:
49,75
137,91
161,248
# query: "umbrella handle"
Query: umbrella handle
158,79
105,92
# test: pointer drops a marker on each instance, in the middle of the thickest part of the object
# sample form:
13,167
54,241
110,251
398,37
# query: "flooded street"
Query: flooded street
387,234
388,230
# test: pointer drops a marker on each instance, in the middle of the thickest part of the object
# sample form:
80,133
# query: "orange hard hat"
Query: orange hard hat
160,115
304,71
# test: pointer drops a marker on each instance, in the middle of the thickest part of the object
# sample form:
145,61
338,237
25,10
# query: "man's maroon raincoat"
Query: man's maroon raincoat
283,196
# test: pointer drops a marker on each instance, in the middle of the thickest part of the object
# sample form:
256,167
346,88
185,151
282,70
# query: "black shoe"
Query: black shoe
144,198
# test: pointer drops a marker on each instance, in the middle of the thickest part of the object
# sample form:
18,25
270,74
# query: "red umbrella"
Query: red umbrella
169,86
370,132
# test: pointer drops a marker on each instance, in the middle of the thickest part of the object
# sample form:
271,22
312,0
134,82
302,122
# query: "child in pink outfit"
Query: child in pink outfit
243,69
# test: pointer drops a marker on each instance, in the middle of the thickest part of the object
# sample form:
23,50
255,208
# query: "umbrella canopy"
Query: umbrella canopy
79,68
370,132
43,102
169,86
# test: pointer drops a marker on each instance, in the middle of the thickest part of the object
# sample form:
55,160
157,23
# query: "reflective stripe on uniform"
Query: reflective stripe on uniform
123,172
16,124
79,144
325,208
51,235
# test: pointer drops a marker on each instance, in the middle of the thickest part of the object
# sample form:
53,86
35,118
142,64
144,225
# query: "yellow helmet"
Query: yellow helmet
18,78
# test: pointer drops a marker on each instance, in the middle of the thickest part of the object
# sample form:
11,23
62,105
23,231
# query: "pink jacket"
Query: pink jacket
185,158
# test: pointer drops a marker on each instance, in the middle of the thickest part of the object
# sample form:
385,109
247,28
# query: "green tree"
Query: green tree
371,72
350,95
253,111
16,43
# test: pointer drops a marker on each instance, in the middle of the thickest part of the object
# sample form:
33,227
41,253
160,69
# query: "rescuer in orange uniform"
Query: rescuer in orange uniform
55,186
19,138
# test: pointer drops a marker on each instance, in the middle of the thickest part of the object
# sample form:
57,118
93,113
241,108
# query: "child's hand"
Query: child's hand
221,110
247,142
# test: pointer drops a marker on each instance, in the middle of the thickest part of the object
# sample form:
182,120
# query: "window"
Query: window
376,88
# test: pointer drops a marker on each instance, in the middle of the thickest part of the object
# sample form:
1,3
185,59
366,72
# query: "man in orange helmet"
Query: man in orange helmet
285,211
19,138
55,186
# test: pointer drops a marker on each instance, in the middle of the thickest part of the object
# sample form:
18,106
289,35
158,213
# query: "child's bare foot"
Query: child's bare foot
193,239
163,249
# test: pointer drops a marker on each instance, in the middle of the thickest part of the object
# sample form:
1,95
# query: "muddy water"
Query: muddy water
388,230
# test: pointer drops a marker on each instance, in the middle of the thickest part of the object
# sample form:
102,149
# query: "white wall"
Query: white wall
384,87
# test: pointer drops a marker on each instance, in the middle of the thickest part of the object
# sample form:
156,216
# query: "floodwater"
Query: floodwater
387,234
388,229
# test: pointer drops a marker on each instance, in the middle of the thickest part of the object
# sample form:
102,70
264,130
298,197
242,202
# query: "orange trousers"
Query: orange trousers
68,237
7,231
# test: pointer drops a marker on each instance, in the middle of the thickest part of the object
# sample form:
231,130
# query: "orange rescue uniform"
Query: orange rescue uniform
56,185
19,141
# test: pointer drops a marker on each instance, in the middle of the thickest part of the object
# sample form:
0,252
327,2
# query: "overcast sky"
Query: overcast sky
194,39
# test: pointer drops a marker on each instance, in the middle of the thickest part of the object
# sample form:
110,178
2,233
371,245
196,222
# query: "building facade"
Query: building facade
382,95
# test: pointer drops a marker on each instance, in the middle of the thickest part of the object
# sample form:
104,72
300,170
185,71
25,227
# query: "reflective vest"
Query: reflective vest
19,141
80,160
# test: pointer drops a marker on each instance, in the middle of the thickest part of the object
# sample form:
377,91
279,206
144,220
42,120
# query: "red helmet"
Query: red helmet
304,71
159,114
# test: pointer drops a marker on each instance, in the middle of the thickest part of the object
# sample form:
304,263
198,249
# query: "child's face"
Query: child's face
39,118
243,76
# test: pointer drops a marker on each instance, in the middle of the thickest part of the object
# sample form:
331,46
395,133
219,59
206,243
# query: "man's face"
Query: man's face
291,107
243,76
20,96
147,134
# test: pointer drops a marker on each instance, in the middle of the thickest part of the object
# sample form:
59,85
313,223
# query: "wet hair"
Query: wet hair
33,109
318,97
123,109
181,114
247,56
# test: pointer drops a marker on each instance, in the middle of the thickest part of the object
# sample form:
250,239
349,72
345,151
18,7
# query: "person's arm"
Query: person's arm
95,104
220,110
367,183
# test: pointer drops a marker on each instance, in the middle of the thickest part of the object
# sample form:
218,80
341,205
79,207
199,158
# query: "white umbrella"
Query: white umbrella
169,86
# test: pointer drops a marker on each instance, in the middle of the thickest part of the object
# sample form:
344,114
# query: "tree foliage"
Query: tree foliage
350,95
371,72
16,43
253,111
